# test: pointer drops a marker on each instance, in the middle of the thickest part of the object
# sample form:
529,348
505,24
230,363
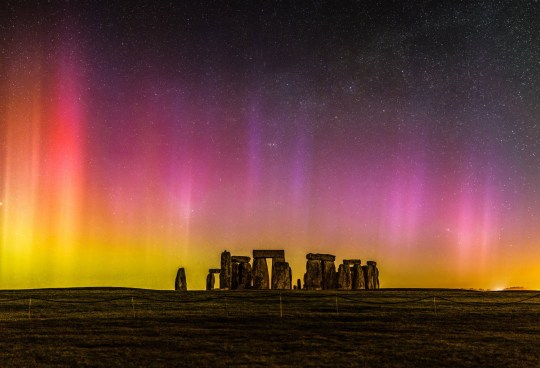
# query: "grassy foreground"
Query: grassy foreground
385,328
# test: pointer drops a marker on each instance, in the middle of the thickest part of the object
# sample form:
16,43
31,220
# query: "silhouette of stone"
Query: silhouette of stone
279,254
225,276
260,274
329,275
314,276
235,278
299,284
344,277
352,262
244,276
369,276
214,270
320,257
240,259
210,281
358,281
375,274
281,276
180,283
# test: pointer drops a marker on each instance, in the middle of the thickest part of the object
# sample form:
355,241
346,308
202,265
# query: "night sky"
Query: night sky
140,137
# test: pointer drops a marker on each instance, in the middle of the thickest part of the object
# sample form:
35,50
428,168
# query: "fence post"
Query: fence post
435,304
30,308
280,307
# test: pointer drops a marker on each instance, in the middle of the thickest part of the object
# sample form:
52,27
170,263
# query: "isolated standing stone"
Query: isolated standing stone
281,276
358,281
329,275
314,276
260,274
225,276
244,276
180,282
344,278
298,284
210,281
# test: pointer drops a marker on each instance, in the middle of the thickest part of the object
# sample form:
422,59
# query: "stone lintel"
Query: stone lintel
241,259
352,262
320,257
269,253
214,270
371,263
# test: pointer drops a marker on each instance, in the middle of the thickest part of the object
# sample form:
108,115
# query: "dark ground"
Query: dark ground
104,327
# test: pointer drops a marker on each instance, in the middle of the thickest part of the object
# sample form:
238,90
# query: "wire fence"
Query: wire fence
251,304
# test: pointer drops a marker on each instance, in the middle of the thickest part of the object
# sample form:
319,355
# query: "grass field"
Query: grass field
384,328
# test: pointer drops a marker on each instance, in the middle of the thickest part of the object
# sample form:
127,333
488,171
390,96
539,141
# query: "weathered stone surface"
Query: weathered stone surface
352,262
281,276
358,281
320,257
180,281
314,277
328,275
214,270
369,276
299,284
240,259
245,278
372,280
210,281
235,275
278,259
344,277
225,276
260,274
269,253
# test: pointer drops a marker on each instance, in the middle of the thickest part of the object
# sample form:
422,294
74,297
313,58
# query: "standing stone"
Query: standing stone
225,276
369,276
235,278
344,277
329,275
290,277
374,273
260,274
314,275
281,278
210,281
180,282
299,284
358,281
244,276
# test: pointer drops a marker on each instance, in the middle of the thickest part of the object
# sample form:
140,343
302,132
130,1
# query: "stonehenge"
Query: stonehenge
180,283
237,273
